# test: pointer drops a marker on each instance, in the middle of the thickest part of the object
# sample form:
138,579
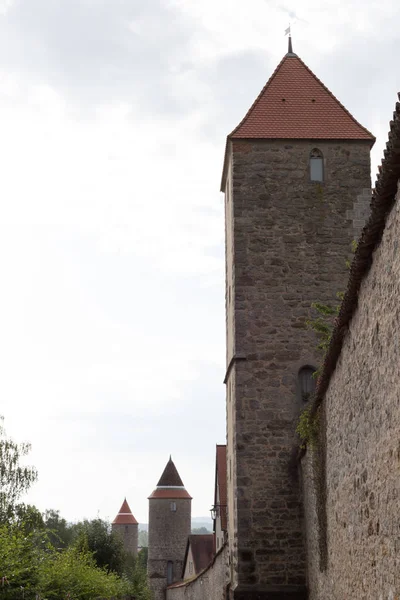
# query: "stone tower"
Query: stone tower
169,528
296,180
126,526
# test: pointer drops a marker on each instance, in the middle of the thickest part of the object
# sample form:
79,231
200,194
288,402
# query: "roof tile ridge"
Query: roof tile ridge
336,99
252,107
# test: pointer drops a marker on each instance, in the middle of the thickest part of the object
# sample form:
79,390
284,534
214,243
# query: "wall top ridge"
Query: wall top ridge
383,200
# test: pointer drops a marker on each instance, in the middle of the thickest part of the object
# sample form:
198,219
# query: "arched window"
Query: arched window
170,572
316,165
306,383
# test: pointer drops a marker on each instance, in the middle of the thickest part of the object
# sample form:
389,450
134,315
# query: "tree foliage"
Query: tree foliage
31,568
15,479
107,547
200,530
59,531
44,557
143,538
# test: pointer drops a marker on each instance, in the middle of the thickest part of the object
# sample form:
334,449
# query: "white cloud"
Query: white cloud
5,5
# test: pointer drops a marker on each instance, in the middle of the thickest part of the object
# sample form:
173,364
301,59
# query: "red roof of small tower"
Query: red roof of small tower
170,484
125,516
295,104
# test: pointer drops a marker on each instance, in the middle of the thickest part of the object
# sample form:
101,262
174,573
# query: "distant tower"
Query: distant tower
296,181
126,526
169,528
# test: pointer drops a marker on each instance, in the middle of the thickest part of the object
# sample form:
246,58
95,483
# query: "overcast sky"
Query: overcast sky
113,118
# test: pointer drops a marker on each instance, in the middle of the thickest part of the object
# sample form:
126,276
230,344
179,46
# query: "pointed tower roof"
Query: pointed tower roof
170,476
170,484
125,516
295,104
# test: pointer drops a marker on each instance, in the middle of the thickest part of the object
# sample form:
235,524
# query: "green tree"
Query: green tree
143,538
30,568
136,573
15,479
60,533
107,547
200,530
19,561
73,574
143,556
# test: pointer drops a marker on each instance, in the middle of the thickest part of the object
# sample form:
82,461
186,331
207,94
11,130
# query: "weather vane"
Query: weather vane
289,33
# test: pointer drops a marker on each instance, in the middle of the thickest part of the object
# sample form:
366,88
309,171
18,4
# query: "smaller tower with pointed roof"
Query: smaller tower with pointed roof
169,529
126,526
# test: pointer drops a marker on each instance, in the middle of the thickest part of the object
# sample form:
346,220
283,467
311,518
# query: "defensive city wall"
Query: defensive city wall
210,583
351,479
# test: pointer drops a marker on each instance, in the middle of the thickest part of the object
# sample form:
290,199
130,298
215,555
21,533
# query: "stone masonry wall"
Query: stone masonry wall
363,445
168,535
129,535
288,245
210,584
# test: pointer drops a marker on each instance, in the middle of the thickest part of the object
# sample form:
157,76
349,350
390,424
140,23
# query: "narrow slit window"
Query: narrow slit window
170,572
316,165
306,383
173,506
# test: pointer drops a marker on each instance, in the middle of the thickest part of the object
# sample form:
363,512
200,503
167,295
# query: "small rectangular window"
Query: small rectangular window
173,506
316,169
170,572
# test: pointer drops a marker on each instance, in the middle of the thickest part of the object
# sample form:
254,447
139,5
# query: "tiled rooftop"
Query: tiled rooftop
295,104
125,516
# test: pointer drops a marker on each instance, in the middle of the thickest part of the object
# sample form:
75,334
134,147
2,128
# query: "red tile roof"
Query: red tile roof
170,476
170,493
125,516
220,478
295,104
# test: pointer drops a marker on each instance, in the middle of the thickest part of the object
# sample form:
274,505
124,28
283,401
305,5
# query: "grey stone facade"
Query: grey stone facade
168,534
362,410
210,584
360,211
130,536
287,241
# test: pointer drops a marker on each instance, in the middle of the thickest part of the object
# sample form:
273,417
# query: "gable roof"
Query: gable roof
202,547
383,200
125,516
220,479
295,104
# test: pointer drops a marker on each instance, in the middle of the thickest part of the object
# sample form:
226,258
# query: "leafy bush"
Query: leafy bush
73,574
30,567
